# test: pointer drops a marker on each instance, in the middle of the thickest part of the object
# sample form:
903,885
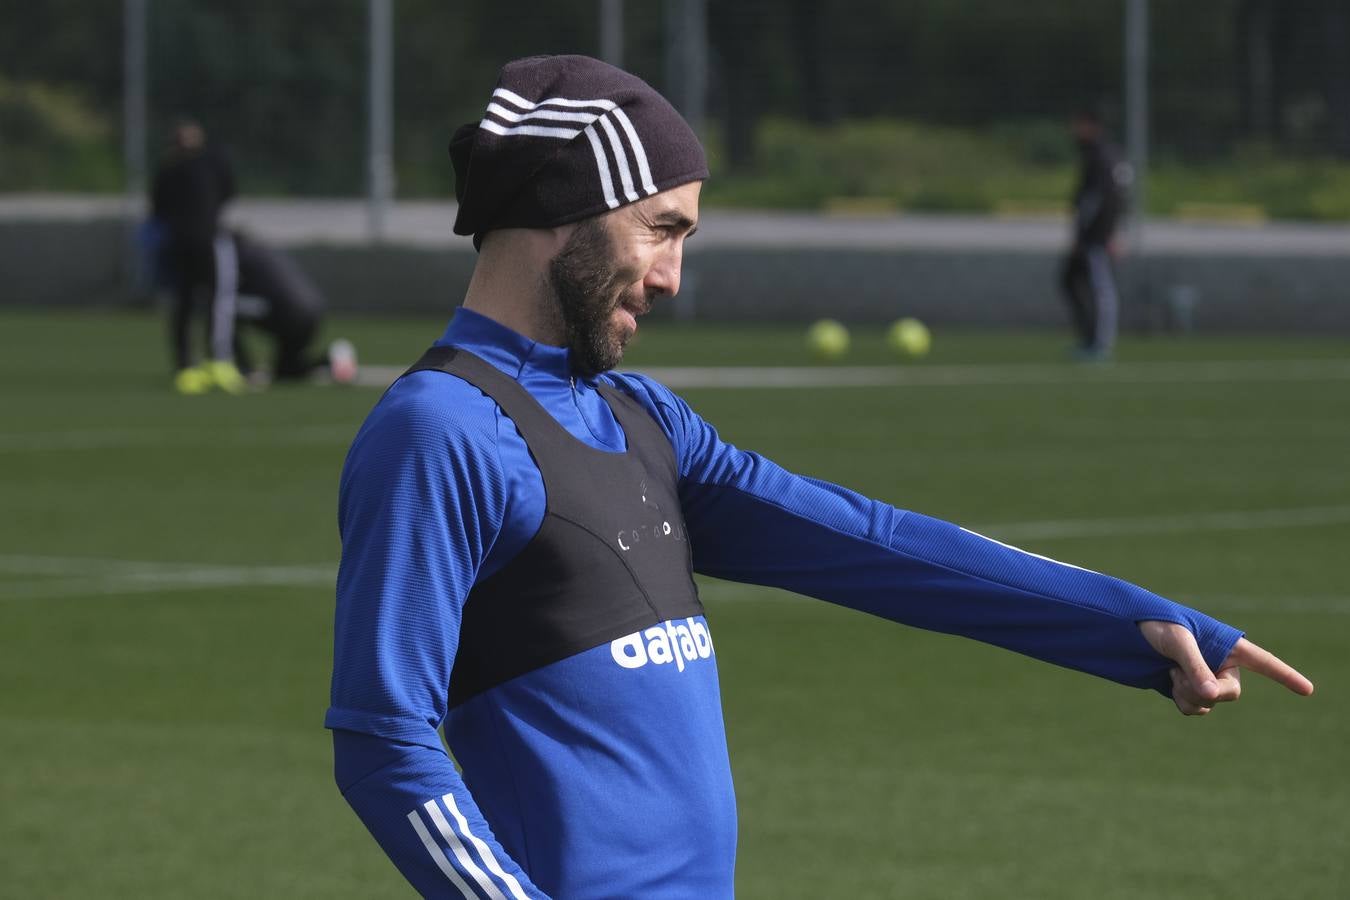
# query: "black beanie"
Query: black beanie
565,138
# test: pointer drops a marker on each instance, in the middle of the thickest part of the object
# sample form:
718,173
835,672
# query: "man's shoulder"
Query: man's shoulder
431,407
431,435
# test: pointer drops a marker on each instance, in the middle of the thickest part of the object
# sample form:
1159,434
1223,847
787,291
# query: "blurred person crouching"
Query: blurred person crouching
278,298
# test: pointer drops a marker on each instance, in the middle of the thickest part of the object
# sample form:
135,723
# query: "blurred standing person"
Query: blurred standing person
191,187
1088,275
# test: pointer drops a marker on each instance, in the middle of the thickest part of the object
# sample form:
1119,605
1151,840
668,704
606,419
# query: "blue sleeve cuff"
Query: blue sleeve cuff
404,729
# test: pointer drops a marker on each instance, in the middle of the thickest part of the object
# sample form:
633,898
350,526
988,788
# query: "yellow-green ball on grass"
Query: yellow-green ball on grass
910,338
827,339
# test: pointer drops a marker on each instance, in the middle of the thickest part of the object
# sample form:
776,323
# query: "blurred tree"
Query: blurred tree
811,28
1294,72
280,86
1264,29
70,42
1336,71
283,85
60,87
447,57
751,72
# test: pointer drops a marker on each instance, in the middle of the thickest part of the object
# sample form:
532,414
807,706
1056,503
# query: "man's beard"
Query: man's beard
589,287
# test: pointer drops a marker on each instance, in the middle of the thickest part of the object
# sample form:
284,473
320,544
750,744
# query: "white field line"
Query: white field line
77,565
734,377
1275,603
1326,604
82,577
341,435
1019,374
1224,428
1237,520
113,438
59,576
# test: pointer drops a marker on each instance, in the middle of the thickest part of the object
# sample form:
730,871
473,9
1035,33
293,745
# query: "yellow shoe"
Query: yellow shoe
192,380
226,376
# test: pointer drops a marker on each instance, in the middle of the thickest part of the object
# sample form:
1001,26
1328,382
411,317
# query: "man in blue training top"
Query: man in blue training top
521,524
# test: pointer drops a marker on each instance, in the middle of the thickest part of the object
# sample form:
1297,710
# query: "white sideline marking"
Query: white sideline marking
82,577
341,435
1238,520
112,438
79,565
732,377
61,576
111,586
1021,374
1223,428
1329,604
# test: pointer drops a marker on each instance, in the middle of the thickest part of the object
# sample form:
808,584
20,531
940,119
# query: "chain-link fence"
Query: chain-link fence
928,104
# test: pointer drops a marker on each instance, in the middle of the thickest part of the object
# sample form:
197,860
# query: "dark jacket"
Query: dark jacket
189,192
1099,200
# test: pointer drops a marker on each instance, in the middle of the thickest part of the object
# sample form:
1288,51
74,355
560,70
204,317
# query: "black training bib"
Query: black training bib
611,557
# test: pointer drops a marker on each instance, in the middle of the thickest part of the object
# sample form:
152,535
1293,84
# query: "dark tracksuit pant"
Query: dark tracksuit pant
204,271
1088,275
1089,282
191,187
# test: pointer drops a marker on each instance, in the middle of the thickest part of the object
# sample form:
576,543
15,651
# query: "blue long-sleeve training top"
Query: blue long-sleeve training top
605,774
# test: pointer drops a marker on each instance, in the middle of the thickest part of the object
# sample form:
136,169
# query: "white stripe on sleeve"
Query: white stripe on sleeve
484,851
438,855
461,854
1048,559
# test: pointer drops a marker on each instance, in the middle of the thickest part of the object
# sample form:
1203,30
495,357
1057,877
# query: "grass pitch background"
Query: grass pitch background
165,629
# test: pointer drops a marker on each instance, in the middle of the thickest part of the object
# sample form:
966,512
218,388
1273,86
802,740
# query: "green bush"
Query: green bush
913,166
1026,166
54,140
1285,187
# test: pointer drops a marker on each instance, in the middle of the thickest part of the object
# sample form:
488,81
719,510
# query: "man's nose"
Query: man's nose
664,275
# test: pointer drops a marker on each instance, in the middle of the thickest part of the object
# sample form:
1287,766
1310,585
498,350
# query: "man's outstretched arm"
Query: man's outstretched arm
750,520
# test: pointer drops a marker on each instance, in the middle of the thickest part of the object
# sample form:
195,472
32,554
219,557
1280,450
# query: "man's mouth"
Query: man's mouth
637,307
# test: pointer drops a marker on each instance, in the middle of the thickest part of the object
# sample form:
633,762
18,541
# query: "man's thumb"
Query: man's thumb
1197,671
1178,644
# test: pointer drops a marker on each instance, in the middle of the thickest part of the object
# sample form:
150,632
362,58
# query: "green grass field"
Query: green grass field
165,624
